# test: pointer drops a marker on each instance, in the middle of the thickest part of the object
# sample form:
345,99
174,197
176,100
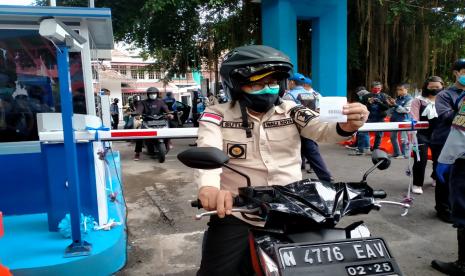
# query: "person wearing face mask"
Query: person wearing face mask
261,135
446,108
400,113
452,162
377,104
153,105
310,151
423,109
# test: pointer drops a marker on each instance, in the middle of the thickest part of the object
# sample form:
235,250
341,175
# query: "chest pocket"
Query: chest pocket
282,133
284,142
236,144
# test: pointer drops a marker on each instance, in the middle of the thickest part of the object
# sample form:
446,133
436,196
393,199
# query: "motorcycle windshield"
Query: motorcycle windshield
314,203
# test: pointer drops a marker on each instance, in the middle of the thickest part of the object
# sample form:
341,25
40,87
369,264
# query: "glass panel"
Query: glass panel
123,70
134,72
141,73
29,83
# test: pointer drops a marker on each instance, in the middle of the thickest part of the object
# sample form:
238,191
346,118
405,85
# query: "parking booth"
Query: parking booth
61,201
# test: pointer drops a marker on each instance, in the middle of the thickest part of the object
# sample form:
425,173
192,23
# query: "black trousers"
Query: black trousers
311,152
442,189
419,166
115,121
457,192
225,249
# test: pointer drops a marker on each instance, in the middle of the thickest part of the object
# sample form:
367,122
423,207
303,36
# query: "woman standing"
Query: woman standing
423,110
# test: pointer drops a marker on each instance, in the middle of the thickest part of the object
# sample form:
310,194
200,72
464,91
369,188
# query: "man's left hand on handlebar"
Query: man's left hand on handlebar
357,115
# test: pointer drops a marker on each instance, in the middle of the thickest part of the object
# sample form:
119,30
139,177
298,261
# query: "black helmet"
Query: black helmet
242,63
152,90
459,64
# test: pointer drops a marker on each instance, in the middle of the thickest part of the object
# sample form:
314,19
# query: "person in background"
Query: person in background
400,113
423,109
128,114
452,161
153,105
308,86
376,102
114,112
309,148
445,104
170,101
362,144
212,100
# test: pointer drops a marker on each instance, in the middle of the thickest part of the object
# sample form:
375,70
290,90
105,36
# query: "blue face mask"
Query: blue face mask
461,80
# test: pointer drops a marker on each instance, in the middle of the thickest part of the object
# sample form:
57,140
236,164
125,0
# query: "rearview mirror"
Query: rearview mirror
378,156
206,158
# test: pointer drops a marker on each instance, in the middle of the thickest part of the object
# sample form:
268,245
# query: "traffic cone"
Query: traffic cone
4,271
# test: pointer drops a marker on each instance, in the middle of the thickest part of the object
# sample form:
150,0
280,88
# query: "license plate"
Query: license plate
351,251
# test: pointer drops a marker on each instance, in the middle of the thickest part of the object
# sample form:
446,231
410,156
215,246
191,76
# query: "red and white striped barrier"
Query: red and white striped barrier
179,133
394,126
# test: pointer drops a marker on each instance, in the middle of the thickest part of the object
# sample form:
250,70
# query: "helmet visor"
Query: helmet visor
256,72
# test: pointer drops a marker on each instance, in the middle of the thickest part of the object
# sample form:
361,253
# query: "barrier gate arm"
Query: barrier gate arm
179,133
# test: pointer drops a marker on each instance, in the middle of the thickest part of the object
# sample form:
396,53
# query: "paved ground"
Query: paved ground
164,239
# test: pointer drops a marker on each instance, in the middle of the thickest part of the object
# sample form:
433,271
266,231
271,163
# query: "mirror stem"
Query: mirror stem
236,171
370,170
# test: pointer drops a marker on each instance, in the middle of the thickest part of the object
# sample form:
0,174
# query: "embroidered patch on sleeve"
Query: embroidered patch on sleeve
237,151
278,123
230,124
211,117
302,115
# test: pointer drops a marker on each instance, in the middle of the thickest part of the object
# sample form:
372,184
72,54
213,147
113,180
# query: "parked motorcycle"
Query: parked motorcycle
300,236
158,147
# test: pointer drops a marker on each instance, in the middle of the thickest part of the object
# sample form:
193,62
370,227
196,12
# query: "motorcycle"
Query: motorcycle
300,236
158,147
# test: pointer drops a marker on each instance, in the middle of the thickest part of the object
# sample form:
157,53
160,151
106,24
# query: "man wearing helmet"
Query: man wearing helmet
255,129
153,105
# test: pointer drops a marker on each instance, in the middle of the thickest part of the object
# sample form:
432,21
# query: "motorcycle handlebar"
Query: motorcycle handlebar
237,202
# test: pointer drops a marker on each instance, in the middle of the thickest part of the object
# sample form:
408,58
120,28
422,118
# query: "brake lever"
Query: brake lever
234,210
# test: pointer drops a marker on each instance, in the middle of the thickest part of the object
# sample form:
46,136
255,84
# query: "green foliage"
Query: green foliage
389,40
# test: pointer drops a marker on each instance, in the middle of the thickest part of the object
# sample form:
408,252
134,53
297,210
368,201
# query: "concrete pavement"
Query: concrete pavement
164,239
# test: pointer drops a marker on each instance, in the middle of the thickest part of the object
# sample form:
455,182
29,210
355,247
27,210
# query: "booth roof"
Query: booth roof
98,20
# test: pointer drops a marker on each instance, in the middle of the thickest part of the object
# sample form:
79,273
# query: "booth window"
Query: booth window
29,83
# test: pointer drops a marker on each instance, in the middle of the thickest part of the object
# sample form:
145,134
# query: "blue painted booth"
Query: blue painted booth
329,37
42,180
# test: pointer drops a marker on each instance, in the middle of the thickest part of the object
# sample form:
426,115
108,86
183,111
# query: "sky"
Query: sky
16,2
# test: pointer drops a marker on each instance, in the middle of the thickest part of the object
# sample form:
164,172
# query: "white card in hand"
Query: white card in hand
331,109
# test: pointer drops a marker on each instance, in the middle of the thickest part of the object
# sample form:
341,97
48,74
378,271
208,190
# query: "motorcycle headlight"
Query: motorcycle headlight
269,266
360,231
